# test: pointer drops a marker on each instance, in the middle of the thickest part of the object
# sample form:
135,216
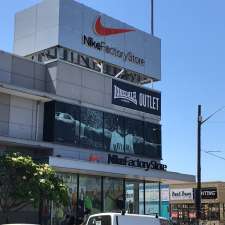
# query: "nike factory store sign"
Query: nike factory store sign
137,98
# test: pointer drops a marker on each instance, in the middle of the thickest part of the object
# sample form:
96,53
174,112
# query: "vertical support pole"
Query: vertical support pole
198,189
102,194
144,197
152,17
159,198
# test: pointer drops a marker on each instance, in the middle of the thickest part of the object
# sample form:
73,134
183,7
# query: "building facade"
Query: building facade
73,95
182,203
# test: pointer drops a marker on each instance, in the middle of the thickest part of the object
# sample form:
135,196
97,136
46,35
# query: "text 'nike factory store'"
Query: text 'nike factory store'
76,94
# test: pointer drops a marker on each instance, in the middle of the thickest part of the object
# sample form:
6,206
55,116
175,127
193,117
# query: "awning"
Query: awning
94,168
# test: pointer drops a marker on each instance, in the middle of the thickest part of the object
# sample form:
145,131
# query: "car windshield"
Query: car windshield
100,220
66,116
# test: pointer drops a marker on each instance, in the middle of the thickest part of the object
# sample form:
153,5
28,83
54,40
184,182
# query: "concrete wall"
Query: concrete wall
18,117
22,72
88,88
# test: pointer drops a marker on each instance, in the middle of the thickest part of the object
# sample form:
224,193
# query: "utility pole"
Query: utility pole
200,121
198,190
152,17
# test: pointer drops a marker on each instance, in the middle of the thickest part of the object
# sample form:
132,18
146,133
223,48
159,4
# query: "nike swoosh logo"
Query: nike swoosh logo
101,30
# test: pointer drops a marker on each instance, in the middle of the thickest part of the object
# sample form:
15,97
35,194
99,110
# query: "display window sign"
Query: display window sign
208,193
181,194
137,98
135,163
174,214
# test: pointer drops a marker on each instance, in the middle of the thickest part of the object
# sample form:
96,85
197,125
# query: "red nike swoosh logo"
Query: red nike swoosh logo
106,31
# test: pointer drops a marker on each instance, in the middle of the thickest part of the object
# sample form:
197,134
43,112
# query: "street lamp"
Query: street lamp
198,189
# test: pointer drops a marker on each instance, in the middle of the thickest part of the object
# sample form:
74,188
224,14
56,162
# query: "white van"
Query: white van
126,219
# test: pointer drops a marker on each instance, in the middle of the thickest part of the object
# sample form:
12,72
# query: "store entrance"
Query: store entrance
93,194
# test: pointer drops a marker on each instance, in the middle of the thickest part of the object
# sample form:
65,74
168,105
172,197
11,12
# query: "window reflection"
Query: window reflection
134,136
89,201
134,197
91,128
113,195
97,130
114,132
152,140
67,123
152,198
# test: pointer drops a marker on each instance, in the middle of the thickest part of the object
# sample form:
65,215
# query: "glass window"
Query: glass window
141,198
89,201
152,147
134,137
60,212
113,195
164,189
114,133
91,128
152,198
134,196
100,220
67,123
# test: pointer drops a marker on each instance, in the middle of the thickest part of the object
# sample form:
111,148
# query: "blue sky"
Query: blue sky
193,72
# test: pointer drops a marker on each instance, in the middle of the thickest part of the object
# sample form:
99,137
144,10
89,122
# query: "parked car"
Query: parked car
125,219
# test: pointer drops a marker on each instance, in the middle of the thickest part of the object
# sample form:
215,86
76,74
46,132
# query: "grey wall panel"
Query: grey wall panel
25,23
93,81
68,90
22,81
5,61
23,66
47,14
4,113
69,73
4,99
70,10
40,72
46,38
39,85
22,121
20,131
92,97
21,102
5,76
24,46
108,85
4,128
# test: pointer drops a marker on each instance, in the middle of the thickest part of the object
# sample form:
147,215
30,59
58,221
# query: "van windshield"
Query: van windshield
100,220
164,222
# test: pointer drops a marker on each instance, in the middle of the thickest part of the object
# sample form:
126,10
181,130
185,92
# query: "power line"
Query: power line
213,154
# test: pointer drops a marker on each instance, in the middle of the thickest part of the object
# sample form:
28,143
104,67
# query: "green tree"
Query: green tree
24,182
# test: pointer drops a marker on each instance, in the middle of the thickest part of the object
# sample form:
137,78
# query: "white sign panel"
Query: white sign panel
77,27
181,194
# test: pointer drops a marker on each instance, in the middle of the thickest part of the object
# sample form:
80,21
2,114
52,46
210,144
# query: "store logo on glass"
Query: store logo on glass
127,96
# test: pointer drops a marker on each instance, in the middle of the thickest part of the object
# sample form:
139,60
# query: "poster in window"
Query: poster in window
134,136
91,128
67,123
152,145
114,133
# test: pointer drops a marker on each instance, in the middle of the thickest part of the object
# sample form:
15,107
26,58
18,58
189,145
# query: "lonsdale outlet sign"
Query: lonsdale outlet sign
127,161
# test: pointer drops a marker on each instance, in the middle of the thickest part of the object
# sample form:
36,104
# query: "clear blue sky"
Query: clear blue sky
193,71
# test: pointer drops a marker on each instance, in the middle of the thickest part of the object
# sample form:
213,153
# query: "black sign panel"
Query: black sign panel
133,97
208,193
